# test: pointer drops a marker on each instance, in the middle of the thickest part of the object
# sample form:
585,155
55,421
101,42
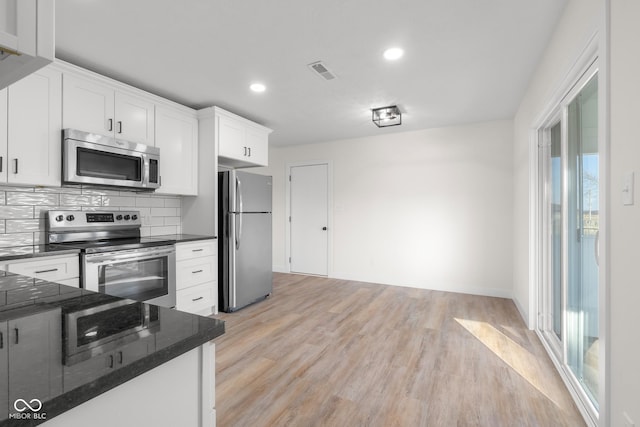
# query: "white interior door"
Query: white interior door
309,219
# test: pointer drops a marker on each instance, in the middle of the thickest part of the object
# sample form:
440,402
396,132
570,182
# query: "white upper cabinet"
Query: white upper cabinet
31,150
177,138
26,38
3,135
241,142
93,106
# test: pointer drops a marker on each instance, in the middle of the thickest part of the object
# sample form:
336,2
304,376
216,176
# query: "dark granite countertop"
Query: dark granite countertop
181,238
64,345
21,252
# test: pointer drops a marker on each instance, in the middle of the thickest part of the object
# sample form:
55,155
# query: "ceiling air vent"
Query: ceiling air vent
321,70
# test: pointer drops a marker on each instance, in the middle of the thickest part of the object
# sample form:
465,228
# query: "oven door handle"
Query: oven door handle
114,256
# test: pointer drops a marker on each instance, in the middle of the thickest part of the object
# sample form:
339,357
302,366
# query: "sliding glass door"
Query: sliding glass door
568,298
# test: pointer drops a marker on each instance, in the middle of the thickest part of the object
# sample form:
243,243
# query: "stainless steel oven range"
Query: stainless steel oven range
115,260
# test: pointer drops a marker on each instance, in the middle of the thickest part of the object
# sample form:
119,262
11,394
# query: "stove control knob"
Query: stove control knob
59,218
127,217
134,217
119,217
70,217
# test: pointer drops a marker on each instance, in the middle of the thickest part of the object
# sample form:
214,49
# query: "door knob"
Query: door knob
324,228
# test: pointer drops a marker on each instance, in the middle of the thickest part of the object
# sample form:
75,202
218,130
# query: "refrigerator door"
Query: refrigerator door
249,192
250,277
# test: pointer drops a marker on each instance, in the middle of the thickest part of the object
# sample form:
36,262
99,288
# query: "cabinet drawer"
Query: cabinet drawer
195,249
47,268
197,299
195,271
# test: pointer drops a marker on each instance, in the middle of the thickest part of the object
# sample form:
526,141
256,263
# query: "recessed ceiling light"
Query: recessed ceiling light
258,87
393,53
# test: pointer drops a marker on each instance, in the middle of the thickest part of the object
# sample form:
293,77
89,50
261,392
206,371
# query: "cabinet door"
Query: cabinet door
35,340
134,118
34,125
53,269
258,142
3,136
4,368
87,106
231,138
177,138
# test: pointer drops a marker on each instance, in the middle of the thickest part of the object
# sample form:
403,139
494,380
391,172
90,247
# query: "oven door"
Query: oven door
145,274
102,328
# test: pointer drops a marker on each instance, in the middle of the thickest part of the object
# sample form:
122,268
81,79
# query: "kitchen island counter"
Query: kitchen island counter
62,346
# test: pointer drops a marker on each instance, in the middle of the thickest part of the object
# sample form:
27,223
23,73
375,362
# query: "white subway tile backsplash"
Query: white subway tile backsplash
153,220
119,201
171,220
172,202
149,202
22,225
80,200
159,231
7,212
21,239
23,210
24,199
21,189
66,190
164,212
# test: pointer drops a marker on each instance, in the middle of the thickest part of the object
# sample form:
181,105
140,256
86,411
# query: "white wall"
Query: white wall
429,209
579,22
624,257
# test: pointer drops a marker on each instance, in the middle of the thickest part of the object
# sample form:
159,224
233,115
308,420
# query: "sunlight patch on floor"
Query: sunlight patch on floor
513,354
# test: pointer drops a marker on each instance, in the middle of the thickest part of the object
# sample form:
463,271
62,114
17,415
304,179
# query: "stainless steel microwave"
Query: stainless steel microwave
89,158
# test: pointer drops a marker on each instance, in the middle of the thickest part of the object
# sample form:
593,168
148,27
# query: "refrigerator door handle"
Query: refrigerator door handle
232,261
238,231
239,193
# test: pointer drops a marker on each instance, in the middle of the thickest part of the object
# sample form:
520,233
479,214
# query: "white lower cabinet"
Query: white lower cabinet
63,269
196,281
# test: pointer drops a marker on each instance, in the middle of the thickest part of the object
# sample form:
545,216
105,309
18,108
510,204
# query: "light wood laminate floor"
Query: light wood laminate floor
327,352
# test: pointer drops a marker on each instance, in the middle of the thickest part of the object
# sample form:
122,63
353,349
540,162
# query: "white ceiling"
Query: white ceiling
465,60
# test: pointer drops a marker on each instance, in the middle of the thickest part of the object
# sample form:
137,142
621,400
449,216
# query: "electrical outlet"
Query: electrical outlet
627,420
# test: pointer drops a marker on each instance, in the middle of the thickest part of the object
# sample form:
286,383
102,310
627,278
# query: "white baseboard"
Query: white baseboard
523,314
465,289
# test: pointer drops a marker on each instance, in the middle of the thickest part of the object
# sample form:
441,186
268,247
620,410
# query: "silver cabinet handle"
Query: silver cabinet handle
197,299
17,335
192,250
119,126
120,357
1,341
15,166
196,272
111,360
1,162
110,121
46,271
249,151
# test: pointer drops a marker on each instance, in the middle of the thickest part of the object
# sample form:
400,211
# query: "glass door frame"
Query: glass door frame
557,347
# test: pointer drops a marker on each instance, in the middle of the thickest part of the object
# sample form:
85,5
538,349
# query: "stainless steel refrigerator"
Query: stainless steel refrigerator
244,256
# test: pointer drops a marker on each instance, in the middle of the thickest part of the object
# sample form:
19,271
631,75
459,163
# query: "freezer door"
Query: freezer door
249,192
251,262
